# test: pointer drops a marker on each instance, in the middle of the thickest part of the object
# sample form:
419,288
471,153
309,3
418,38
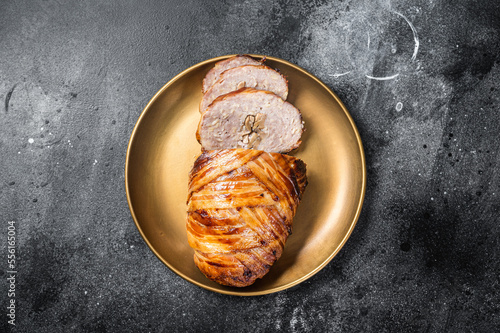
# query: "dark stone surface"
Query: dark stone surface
424,257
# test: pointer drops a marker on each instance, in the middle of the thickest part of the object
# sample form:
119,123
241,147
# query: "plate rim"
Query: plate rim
241,292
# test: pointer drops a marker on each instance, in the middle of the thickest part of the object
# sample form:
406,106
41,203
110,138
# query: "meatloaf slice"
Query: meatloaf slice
252,119
223,65
258,77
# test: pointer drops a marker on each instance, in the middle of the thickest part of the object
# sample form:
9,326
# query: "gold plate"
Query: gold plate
163,148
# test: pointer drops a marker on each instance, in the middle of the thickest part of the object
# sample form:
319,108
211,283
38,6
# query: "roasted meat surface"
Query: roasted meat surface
220,67
253,76
241,203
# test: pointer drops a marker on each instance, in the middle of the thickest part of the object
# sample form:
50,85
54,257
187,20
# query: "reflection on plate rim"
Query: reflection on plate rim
319,267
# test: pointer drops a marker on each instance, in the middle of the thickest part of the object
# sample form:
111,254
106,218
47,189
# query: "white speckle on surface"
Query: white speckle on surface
415,36
41,128
383,78
277,325
399,106
354,46
339,74
95,162
294,321
298,322
30,140
85,292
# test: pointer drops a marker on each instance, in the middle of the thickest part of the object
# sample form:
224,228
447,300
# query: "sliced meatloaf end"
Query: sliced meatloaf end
254,76
251,119
223,65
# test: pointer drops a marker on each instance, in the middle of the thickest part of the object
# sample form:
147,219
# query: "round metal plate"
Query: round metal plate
163,148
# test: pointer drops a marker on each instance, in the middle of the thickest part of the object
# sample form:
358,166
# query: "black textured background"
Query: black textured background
424,257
